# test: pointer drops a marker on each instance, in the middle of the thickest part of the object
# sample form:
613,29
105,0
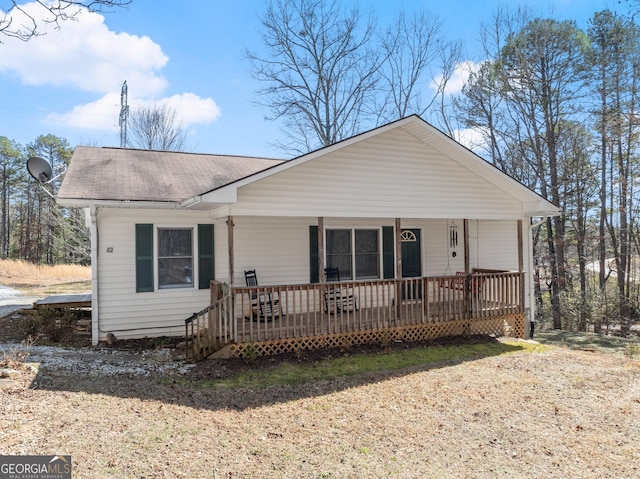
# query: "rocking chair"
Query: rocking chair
336,300
264,306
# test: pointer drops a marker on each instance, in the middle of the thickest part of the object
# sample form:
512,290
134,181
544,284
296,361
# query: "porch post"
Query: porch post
468,304
398,267
321,237
398,248
467,261
521,282
230,241
520,248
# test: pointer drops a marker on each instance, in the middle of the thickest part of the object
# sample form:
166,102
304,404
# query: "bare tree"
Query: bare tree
319,71
481,106
411,45
10,167
541,66
157,127
59,11
416,58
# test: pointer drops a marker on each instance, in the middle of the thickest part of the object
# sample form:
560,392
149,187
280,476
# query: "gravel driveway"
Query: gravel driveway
13,300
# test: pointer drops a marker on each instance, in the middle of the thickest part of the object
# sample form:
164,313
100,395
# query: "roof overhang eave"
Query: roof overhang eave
541,208
546,212
87,203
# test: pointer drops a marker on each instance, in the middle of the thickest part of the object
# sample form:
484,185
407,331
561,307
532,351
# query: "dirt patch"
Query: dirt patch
602,343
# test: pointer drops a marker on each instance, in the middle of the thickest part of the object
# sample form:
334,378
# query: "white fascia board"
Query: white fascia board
226,194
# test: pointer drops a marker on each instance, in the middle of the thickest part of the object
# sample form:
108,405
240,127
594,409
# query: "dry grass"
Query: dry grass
546,412
528,412
36,278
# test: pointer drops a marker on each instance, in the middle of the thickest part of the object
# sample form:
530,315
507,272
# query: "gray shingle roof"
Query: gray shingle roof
120,174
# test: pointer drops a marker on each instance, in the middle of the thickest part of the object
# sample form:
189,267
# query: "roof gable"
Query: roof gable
392,174
431,139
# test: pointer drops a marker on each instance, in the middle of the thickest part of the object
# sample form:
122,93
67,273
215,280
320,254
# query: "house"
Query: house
411,218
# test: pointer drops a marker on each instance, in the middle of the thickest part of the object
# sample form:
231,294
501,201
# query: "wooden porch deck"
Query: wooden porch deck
321,323
81,300
277,319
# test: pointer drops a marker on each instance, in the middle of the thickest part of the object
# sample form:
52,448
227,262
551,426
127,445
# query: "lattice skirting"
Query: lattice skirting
504,326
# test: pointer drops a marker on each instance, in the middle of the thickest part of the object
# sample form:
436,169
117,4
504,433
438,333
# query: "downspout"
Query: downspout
532,318
95,314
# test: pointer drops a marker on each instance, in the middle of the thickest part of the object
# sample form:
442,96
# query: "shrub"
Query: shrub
54,325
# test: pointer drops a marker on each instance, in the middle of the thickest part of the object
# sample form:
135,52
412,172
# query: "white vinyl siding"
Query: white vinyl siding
390,175
277,248
498,245
122,310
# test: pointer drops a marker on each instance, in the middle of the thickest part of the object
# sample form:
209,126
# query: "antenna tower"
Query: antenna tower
124,114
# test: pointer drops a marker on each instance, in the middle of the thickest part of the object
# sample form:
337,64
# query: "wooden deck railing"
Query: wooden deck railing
210,329
251,314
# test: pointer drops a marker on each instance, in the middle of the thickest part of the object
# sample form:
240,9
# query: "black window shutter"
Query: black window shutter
206,262
388,258
313,255
144,258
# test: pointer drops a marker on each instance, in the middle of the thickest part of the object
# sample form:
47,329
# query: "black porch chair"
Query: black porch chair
264,306
336,300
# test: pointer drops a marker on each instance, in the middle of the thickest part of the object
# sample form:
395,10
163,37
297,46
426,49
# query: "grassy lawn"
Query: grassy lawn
291,373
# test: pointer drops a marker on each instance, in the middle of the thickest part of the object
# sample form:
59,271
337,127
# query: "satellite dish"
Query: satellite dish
40,169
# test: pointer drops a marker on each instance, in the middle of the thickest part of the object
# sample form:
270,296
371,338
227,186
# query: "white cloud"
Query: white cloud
472,138
459,78
85,55
190,108
104,113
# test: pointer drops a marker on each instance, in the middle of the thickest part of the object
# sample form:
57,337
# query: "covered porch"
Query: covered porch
276,319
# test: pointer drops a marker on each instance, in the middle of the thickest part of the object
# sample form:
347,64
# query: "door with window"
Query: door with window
411,261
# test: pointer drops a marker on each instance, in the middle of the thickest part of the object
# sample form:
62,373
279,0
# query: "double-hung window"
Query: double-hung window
169,257
175,257
355,252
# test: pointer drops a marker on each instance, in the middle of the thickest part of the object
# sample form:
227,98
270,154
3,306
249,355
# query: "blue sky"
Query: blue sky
188,53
